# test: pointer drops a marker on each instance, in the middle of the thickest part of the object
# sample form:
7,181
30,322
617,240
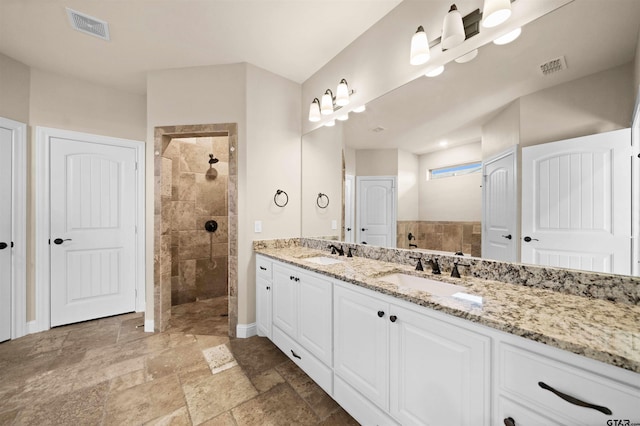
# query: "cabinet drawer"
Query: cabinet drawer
522,416
315,369
521,371
263,267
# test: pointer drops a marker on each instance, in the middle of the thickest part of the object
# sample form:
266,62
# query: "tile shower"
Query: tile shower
195,192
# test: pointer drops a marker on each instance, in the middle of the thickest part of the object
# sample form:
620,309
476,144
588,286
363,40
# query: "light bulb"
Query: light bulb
467,57
342,93
314,110
508,37
435,72
343,117
330,123
495,12
326,106
419,47
361,108
452,29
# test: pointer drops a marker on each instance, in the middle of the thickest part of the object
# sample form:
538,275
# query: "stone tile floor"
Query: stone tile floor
110,372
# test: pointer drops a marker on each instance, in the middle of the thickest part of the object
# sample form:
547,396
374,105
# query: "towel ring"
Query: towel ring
320,203
275,198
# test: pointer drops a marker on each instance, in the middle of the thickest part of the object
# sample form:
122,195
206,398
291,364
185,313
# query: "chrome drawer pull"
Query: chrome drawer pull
575,401
295,354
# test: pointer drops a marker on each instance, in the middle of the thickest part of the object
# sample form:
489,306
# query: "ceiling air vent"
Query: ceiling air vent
88,24
553,66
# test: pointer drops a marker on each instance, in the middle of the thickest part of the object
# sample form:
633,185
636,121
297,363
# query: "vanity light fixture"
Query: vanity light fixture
467,57
435,71
452,29
342,93
361,108
508,37
326,105
343,117
314,110
495,12
330,123
419,47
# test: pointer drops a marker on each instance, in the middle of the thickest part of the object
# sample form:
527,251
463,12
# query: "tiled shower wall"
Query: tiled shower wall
440,235
198,258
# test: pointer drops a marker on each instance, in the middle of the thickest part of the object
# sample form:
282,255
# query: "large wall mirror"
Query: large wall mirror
413,166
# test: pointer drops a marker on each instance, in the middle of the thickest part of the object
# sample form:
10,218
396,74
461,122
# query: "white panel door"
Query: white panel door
93,215
6,140
439,372
361,343
576,203
376,211
499,208
285,300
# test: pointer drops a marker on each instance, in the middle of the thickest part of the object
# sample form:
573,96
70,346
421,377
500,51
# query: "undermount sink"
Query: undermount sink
436,288
323,260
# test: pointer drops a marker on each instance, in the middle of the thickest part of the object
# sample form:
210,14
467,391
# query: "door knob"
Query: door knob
529,239
60,240
3,246
508,237
393,318
348,229
380,314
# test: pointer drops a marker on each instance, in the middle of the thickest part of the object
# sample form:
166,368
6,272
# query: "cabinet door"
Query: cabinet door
439,372
361,338
314,316
263,306
284,302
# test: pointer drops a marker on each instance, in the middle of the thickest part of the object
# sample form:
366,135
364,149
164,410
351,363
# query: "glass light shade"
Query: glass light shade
330,123
452,29
361,108
419,48
508,37
342,93
435,72
343,117
326,105
314,111
495,12
467,57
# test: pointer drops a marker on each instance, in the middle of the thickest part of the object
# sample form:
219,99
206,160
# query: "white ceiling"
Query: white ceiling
593,35
292,38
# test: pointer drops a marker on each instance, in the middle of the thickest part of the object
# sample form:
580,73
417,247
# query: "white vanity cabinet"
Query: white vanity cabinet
544,385
420,368
302,322
263,296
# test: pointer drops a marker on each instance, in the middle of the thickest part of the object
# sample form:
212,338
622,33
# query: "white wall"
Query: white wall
457,198
266,108
377,162
14,89
408,188
272,162
322,173
502,131
593,104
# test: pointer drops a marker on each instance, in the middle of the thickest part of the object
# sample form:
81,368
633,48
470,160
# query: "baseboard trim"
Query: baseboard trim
34,327
246,330
148,326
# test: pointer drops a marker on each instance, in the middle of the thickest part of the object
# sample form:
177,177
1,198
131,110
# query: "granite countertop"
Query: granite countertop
598,329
